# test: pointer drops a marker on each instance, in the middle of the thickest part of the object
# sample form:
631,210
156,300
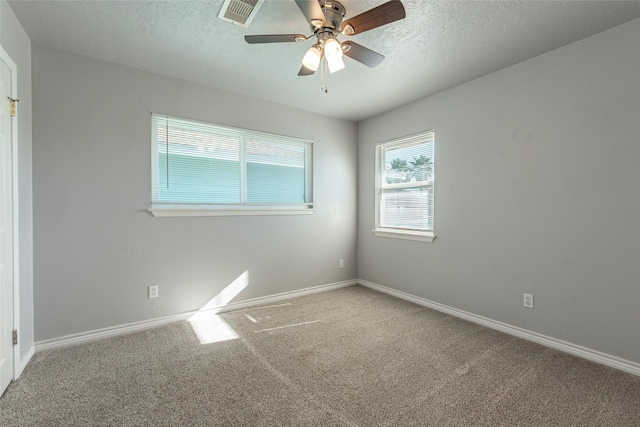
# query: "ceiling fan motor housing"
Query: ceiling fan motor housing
334,14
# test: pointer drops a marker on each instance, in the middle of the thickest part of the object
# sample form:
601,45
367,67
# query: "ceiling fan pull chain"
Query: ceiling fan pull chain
323,78
323,75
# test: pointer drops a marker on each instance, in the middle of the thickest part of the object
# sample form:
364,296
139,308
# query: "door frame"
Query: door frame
4,56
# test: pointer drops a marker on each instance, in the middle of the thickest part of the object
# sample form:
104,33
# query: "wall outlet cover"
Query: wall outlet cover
153,291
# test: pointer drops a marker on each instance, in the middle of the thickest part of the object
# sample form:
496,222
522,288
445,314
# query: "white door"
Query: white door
6,223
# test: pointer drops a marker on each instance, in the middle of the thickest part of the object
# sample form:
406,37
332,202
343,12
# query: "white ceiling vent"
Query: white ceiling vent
240,12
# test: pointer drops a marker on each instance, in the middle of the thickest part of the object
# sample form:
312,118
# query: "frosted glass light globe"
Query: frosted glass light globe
312,58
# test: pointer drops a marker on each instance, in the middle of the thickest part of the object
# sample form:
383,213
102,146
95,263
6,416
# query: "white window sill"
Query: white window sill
421,236
168,210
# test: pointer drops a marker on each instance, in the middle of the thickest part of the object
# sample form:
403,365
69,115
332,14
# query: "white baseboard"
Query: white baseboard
567,347
576,350
113,331
24,361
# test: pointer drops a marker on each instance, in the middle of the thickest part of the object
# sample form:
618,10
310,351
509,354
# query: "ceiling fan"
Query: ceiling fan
325,18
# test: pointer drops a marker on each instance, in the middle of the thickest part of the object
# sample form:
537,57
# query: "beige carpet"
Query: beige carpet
351,357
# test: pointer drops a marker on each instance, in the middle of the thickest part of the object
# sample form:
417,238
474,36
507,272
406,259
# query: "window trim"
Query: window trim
398,233
392,232
182,209
179,209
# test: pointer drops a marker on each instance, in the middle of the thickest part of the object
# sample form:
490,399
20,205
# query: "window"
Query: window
205,169
404,188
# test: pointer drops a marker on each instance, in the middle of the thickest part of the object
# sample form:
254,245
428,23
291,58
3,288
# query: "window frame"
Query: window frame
175,209
381,185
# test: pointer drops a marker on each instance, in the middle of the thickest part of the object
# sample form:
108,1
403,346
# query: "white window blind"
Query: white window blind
196,163
405,185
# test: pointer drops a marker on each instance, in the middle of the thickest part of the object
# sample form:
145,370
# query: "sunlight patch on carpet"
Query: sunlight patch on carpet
288,326
208,326
211,328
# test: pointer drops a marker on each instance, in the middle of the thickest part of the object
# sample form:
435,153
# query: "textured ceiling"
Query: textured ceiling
439,45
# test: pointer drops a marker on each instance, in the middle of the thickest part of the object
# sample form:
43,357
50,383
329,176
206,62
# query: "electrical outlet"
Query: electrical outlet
153,291
528,300
341,263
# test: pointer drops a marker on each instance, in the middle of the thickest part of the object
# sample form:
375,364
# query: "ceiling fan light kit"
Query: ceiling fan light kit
325,19
332,48
312,58
335,64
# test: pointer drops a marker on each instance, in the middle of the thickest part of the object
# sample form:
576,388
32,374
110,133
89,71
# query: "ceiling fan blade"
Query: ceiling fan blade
274,38
312,11
304,71
362,54
378,16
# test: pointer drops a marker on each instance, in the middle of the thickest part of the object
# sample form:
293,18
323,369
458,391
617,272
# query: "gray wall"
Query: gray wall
537,191
97,248
15,42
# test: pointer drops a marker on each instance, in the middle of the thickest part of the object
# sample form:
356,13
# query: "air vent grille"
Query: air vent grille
240,12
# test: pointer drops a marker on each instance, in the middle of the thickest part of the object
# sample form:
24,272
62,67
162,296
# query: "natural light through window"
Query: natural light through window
205,169
211,328
405,188
208,326
275,328
228,293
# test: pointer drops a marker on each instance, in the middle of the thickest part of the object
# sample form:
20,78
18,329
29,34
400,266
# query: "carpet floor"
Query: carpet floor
350,357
